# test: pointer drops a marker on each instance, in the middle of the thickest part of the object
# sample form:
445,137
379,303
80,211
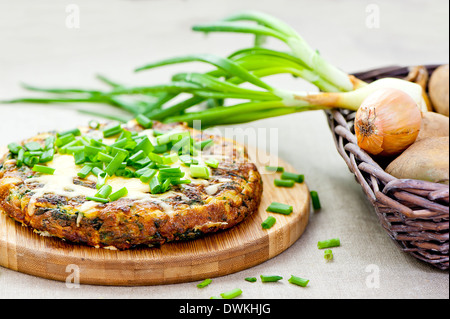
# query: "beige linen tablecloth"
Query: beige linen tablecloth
39,45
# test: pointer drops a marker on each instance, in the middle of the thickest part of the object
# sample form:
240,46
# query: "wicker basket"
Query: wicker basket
414,213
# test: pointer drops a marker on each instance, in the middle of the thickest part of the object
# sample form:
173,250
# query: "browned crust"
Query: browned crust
126,223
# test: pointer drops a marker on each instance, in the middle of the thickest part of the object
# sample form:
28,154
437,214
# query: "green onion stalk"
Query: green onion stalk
238,77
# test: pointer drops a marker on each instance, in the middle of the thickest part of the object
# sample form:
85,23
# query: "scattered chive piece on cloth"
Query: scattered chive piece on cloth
328,255
315,200
284,183
231,294
330,243
270,278
275,169
298,178
298,281
251,279
43,169
204,283
280,208
268,223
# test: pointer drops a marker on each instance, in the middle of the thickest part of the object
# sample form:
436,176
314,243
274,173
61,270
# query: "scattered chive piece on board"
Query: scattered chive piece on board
284,183
298,281
315,200
330,243
204,283
276,169
268,223
251,279
298,178
280,208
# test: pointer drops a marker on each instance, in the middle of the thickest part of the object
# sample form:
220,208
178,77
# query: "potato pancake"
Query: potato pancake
122,186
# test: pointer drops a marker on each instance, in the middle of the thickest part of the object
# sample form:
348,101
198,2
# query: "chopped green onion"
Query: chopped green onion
112,131
104,191
231,294
105,158
20,157
214,163
330,243
113,166
270,278
97,199
298,281
147,175
276,169
75,132
94,124
268,223
280,208
293,176
29,160
43,169
328,255
199,171
144,121
155,185
251,279
50,142
33,146
119,194
47,156
85,171
64,140
14,148
163,139
145,145
315,200
188,160
204,283
201,145
284,182
101,179
170,159
80,158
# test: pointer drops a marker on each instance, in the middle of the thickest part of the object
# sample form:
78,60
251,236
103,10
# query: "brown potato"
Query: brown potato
433,124
427,160
438,89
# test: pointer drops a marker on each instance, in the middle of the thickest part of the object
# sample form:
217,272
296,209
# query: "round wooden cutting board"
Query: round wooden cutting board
214,255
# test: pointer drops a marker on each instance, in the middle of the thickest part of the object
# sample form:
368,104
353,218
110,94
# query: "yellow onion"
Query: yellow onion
387,122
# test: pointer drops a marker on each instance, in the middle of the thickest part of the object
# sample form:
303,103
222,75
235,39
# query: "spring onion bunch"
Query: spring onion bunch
235,91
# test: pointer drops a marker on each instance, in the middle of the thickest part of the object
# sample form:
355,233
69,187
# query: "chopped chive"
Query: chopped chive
137,156
113,166
145,145
101,179
163,139
43,169
80,158
231,294
328,255
284,183
204,283
119,194
20,157
93,124
29,160
105,158
47,156
330,243
170,159
280,208
275,169
293,176
270,278
14,148
188,160
201,145
199,171
50,142
178,136
104,191
180,181
298,281
74,132
64,140
112,131
144,121
33,146
214,163
269,222
155,185
147,175
97,199
251,279
85,171
315,200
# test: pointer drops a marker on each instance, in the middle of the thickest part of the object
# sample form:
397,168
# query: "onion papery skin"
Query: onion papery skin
387,122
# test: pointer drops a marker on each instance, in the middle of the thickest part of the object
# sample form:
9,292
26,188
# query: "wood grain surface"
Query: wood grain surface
214,255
